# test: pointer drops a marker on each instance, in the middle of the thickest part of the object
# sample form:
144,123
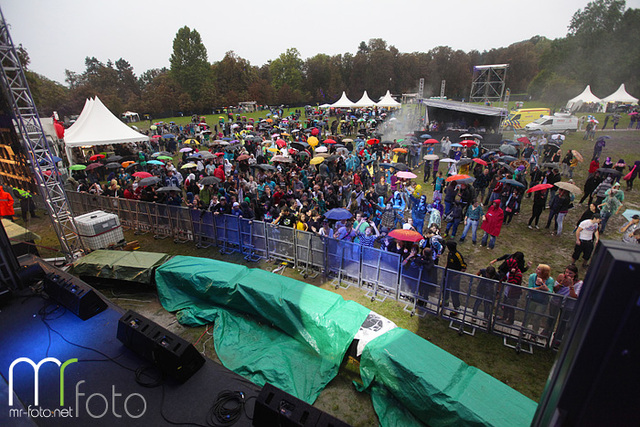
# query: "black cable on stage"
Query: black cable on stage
227,408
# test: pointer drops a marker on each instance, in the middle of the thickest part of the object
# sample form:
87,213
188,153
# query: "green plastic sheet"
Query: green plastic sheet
268,328
434,387
138,267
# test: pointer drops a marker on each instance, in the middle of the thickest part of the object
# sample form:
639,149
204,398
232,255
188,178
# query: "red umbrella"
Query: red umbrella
456,177
406,235
142,175
373,141
431,141
315,131
48,173
220,154
94,166
156,137
280,143
539,187
480,161
292,151
524,140
96,157
467,143
329,141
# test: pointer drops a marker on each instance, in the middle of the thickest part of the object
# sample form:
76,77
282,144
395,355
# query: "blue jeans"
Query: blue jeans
455,223
605,218
473,224
492,242
559,221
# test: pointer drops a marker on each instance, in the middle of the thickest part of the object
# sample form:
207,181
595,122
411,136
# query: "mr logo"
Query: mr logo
36,369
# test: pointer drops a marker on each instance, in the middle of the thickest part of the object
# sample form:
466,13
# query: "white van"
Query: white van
558,123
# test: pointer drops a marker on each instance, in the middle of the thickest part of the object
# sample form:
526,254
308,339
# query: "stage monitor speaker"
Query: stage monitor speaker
275,407
74,294
594,381
171,354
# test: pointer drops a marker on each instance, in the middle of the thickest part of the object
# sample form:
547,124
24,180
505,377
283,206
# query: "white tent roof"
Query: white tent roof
96,125
621,95
365,101
343,102
388,101
586,96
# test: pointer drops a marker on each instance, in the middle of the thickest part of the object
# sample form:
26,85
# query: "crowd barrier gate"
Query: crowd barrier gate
525,318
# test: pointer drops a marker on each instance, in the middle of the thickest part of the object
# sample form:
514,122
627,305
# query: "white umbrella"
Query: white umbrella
447,161
322,149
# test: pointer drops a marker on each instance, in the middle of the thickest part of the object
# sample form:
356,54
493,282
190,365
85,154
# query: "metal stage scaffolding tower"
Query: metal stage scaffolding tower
34,142
488,83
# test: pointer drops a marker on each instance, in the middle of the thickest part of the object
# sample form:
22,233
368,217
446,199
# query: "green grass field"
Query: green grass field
525,373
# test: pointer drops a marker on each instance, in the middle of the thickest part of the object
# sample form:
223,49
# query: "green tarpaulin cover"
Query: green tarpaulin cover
268,328
435,387
120,265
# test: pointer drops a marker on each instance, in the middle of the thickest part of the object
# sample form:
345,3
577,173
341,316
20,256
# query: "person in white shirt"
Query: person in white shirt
587,236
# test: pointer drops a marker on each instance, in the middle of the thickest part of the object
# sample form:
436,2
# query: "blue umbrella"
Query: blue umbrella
55,159
425,136
512,182
385,165
155,162
168,136
338,214
456,145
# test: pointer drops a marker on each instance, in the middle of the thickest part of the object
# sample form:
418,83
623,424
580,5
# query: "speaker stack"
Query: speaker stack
74,294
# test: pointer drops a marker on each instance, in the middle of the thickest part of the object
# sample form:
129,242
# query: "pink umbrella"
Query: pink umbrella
406,175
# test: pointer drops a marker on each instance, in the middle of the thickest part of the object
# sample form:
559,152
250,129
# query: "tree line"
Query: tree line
602,48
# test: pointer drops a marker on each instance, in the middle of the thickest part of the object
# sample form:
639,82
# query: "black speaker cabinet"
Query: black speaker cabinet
171,354
596,378
275,407
74,294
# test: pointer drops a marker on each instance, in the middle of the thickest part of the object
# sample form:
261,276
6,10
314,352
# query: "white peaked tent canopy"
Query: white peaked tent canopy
343,102
388,101
621,95
585,97
96,125
365,101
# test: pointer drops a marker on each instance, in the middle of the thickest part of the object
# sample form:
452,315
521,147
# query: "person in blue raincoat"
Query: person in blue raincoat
399,204
418,211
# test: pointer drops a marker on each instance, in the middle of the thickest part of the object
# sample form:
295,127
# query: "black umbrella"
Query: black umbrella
114,159
368,162
488,154
266,167
113,165
332,158
609,171
469,180
167,189
508,158
400,166
152,180
132,166
210,180
299,145
385,165
506,166
508,149
464,161
550,165
512,182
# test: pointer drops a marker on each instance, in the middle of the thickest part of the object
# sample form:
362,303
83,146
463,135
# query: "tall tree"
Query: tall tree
189,65
287,69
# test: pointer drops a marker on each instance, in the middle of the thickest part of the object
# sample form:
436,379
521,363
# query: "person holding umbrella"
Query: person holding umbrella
492,224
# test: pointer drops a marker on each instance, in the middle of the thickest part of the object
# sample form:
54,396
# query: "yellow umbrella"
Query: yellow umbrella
317,160
273,149
192,141
312,141
189,165
323,155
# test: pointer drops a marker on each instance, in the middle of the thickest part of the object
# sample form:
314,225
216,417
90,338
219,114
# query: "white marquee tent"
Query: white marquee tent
621,95
365,101
96,125
388,101
343,102
584,98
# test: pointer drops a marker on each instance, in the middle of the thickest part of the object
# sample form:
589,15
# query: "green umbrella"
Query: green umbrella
77,167
164,158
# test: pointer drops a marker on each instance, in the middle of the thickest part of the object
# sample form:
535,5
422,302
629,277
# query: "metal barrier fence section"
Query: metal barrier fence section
525,318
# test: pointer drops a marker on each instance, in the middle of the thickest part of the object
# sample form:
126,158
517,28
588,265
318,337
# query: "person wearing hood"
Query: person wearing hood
418,211
455,261
492,224
399,204
219,173
511,292
246,212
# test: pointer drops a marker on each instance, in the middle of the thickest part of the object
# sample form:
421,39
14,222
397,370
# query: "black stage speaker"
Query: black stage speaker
595,380
275,407
74,294
171,354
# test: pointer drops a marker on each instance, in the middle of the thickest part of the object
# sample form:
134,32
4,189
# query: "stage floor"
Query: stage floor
96,390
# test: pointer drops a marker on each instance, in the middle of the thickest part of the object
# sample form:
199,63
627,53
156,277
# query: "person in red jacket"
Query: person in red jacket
219,173
6,205
492,224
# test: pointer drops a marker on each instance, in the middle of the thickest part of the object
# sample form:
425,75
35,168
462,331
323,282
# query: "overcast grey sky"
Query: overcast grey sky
59,34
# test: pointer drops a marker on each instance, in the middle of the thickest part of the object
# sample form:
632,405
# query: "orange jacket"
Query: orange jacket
6,203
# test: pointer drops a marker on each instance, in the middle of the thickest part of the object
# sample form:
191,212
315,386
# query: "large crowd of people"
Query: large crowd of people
292,170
